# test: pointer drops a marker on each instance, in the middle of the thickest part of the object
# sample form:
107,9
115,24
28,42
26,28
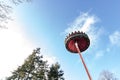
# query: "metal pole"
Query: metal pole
76,45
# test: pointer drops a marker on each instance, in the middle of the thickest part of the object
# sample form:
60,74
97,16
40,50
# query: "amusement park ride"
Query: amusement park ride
77,42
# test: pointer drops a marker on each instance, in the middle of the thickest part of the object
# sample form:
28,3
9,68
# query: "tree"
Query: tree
20,1
106,75
35,68
54,72
6,9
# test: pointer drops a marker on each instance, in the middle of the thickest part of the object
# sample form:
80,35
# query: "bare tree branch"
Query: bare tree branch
16,2
106,75
6,10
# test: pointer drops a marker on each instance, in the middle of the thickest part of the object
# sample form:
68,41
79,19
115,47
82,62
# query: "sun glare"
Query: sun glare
14,48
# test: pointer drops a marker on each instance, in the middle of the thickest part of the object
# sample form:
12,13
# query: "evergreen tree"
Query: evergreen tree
35,68
54,72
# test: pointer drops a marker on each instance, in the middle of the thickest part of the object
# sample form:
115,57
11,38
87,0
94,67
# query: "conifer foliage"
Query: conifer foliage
35,68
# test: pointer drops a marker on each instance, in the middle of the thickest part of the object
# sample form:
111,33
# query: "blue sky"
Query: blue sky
46,23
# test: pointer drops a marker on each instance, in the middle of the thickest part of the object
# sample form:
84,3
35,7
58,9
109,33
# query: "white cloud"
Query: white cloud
82,23
115,38
51,59
14,48
108,49
86,23
99,54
